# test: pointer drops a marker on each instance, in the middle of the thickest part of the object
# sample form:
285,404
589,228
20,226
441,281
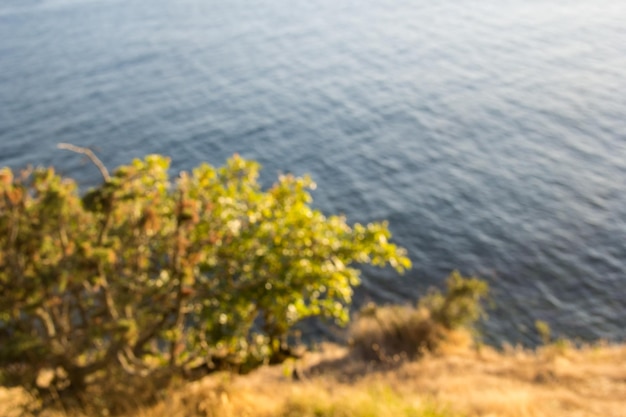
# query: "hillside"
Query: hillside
556,380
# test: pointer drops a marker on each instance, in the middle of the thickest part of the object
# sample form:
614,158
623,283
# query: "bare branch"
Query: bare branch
89,154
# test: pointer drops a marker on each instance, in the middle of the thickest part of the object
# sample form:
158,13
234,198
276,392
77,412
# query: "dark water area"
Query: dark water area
491,134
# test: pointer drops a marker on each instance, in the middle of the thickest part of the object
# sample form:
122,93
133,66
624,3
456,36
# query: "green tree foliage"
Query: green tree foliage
147,275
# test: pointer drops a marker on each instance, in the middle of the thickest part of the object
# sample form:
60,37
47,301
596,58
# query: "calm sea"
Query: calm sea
490,133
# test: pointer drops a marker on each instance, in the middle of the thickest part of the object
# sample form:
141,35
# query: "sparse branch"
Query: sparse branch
89,154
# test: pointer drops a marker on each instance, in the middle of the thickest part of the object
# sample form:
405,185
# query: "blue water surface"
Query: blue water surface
491,134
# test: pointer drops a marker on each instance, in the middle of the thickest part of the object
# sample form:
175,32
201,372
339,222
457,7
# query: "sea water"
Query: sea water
490,133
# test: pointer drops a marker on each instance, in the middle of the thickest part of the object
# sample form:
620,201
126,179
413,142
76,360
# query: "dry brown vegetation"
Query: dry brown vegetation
459,380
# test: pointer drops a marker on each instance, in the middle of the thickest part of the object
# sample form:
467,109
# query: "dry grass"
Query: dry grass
553,381
398,332
394,333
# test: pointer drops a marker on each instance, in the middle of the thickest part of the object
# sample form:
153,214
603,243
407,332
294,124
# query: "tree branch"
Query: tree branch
89,154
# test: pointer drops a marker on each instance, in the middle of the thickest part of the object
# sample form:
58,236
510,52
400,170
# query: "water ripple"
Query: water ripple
490,134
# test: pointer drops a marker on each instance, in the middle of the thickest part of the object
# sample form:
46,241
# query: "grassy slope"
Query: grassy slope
556,380
553,381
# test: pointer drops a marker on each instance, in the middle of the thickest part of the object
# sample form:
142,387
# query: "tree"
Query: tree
145,275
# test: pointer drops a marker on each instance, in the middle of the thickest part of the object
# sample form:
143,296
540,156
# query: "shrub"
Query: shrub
460,305
148,276
393,333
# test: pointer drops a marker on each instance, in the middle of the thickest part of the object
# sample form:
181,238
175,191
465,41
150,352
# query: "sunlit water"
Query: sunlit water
492,134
